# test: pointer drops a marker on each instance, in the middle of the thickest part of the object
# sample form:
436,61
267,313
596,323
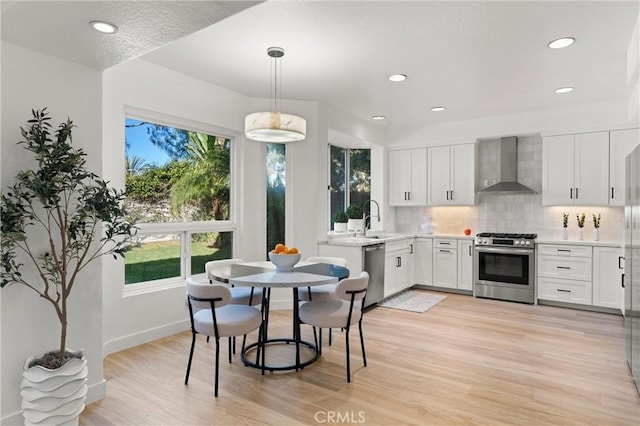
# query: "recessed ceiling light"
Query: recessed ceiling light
397,77
561,42
564,90
378,117
437,108
103,27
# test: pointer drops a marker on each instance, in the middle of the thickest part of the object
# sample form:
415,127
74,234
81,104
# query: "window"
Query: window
349,178
178,186
276,185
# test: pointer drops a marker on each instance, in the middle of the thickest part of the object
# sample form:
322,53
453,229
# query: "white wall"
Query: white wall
29,325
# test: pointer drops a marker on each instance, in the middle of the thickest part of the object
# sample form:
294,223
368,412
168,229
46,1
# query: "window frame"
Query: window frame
185,229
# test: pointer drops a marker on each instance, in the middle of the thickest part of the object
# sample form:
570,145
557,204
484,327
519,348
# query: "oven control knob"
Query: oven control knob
516,242
528,243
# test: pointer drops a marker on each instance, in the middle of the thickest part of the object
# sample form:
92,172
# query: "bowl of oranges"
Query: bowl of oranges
284,257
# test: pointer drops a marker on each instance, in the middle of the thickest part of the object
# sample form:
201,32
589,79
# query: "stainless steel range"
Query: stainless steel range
505,267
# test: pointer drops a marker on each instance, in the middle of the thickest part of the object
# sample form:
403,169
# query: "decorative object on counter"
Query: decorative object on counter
428,226
467,231
565,223
340,220
580,218
354,213
596,226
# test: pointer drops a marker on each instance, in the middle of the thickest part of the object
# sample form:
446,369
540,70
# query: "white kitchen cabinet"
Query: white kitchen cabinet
408,177
465,264
423,261
451,175
621,143
445,263
396,267
607,287
565,273
575,169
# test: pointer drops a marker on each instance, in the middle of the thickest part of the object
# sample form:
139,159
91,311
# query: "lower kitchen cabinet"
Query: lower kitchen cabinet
579,274
607,286
465,264
396,267
423,261
445,263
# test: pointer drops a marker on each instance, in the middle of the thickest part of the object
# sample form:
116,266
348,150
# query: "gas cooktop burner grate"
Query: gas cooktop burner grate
507,235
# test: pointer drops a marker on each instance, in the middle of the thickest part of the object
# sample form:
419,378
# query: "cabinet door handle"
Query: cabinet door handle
447,195
469,250
563,267
577,194
571,193
612,193
563,291
398,261
445,251
409,195
620,259
565,250
410,248
451,194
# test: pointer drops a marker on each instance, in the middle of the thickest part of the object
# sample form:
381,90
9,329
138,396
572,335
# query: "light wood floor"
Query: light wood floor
465,361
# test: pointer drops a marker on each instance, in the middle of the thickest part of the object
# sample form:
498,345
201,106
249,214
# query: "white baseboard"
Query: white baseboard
144,336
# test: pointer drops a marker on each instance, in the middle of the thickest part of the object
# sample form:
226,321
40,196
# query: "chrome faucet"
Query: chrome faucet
364,217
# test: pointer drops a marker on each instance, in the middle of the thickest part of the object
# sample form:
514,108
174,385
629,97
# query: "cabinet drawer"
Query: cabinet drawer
447,244
574,268
564,290
396,246
564,250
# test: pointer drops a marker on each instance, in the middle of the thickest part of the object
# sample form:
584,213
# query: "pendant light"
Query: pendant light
274,126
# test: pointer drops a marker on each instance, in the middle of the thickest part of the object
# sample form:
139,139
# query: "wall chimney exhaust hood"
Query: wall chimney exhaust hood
508,164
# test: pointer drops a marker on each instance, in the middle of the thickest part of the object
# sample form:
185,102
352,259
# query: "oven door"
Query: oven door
505,273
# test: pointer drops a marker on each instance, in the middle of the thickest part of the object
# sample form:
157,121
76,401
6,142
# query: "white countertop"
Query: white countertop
379,238
580,242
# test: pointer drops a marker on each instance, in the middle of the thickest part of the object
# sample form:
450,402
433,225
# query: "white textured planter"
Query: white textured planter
581,233
565,234
354,225
54,397
596,234
339,227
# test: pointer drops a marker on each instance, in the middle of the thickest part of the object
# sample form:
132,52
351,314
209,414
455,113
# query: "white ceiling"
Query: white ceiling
477,58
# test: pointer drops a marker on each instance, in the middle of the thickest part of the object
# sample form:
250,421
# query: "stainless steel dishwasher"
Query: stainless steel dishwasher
374,265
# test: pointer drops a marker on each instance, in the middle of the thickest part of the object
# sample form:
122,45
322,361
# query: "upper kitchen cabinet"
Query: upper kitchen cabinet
452,175
575,169
622,142
408,177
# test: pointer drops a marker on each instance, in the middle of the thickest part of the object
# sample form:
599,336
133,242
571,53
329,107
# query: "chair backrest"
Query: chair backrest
340,261
213,264
207,292
356,286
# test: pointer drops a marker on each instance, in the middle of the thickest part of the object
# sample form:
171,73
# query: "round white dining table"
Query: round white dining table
263,274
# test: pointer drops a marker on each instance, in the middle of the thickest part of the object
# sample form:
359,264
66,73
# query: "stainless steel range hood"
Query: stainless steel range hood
508,164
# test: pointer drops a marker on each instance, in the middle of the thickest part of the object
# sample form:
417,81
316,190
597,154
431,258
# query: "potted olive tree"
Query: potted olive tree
340,220
56,219
355,214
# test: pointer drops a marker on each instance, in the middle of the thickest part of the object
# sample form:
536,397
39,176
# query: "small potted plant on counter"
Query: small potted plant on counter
340,220
580,218
565,223
596,226
354,213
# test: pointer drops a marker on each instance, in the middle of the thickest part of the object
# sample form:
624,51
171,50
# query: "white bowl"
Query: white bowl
284,262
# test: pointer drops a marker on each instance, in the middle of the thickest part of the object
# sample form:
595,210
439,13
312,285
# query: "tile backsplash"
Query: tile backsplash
513,213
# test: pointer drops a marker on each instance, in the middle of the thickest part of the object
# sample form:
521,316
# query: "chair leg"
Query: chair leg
231,343
208,339
348,358
215,392
320,342
364,356
193,345
330,337
234,345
